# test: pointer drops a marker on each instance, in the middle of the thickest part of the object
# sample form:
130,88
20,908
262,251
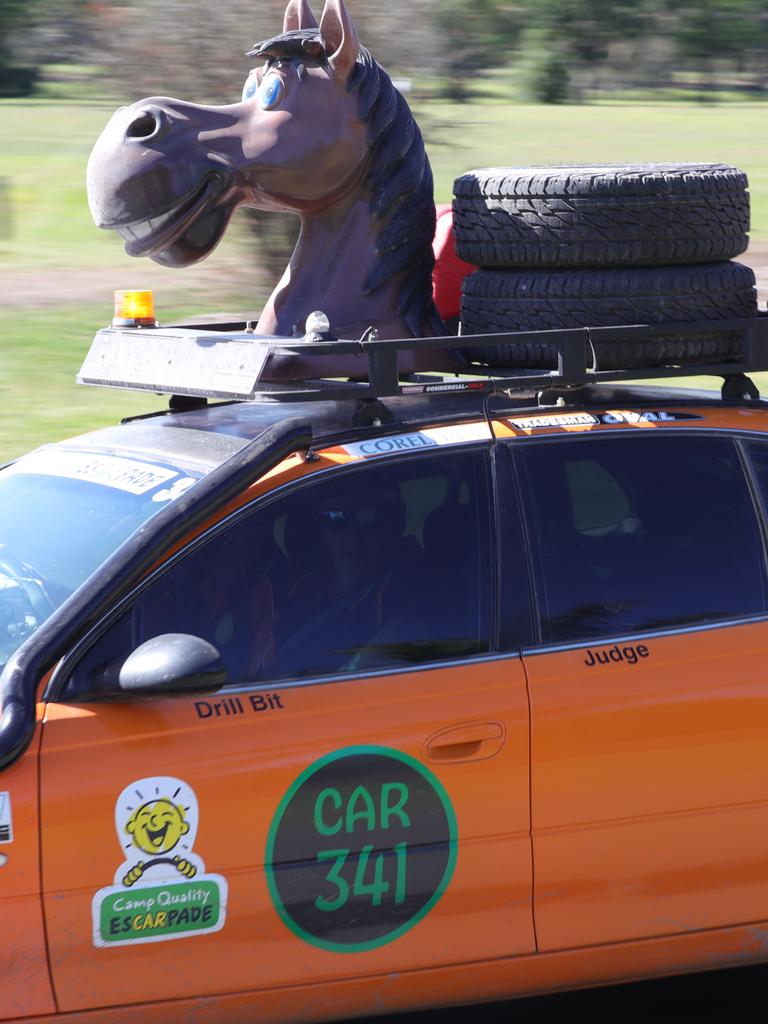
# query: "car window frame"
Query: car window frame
67,665
507,472
759,498
738,438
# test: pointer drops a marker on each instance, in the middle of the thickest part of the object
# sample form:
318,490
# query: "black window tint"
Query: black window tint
391,568
385,566
641,533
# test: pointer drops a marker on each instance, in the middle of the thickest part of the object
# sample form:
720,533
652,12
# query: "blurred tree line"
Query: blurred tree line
561,50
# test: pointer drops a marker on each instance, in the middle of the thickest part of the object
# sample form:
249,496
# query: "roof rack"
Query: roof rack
208,362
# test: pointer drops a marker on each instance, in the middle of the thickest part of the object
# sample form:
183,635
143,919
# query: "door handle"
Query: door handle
470,741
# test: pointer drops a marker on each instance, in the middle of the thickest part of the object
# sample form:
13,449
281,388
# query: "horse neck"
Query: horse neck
334,254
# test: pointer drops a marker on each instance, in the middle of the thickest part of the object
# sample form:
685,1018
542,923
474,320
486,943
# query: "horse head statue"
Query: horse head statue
320,132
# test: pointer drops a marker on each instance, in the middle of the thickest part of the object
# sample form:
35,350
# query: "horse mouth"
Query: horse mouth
144,237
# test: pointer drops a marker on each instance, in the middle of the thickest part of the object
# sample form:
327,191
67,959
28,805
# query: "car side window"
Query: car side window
384,566
641,533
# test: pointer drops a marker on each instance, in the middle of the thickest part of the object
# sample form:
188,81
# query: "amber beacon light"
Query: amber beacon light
134,309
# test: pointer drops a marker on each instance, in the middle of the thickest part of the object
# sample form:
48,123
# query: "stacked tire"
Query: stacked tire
593,246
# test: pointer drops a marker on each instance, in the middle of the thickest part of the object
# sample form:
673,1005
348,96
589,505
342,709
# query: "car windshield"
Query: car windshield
62,514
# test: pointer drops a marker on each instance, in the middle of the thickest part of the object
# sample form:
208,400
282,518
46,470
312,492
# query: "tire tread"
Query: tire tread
495,301
601,216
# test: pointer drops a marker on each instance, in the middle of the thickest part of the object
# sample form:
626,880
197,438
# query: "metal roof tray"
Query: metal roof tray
207,362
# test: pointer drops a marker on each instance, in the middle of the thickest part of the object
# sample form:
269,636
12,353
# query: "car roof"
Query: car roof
228,386
205,437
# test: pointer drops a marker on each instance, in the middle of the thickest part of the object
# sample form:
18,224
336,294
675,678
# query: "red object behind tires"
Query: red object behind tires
449,270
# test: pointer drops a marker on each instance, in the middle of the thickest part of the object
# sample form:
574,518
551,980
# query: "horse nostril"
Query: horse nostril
147,125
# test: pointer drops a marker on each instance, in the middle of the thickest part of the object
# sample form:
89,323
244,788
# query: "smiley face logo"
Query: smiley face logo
156,823
157,826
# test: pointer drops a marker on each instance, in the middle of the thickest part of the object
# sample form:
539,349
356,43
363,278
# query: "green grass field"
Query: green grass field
481,135
45,225
39,399
42,169
45,147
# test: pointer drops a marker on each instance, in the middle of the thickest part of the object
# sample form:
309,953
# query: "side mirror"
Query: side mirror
172,663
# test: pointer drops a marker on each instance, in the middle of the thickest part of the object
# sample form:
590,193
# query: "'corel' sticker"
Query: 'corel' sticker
389,445
6,822
430,437
161,890
361,848
108,470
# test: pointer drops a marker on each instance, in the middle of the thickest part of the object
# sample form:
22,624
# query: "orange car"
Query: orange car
379,695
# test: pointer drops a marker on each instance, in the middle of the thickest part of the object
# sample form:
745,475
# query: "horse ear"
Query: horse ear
298,14
339,38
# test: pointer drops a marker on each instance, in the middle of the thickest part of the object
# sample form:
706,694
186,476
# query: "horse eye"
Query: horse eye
250,87
271,92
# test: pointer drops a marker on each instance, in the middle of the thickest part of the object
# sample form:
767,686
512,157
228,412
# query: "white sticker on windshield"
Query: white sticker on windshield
177,488
6,825
107,470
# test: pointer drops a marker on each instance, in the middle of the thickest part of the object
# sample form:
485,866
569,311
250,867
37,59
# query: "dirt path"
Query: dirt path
205,282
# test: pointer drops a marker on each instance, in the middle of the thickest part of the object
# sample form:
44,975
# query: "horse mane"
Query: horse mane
399,178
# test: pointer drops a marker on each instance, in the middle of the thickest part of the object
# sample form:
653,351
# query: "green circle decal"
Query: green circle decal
362,846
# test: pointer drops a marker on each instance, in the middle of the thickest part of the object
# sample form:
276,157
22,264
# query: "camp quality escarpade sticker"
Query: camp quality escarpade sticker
161,890
361,848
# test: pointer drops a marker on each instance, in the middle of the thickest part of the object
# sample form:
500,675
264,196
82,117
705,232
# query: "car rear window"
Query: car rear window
641,533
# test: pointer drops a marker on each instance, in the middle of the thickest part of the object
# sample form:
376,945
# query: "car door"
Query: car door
353,803
24,980
649,693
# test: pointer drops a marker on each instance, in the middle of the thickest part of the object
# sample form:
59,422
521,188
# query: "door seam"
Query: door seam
530,805
43,913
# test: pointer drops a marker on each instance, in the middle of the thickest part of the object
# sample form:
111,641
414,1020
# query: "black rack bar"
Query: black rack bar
112,362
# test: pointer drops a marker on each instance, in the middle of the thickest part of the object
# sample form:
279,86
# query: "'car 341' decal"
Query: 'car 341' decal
361,848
